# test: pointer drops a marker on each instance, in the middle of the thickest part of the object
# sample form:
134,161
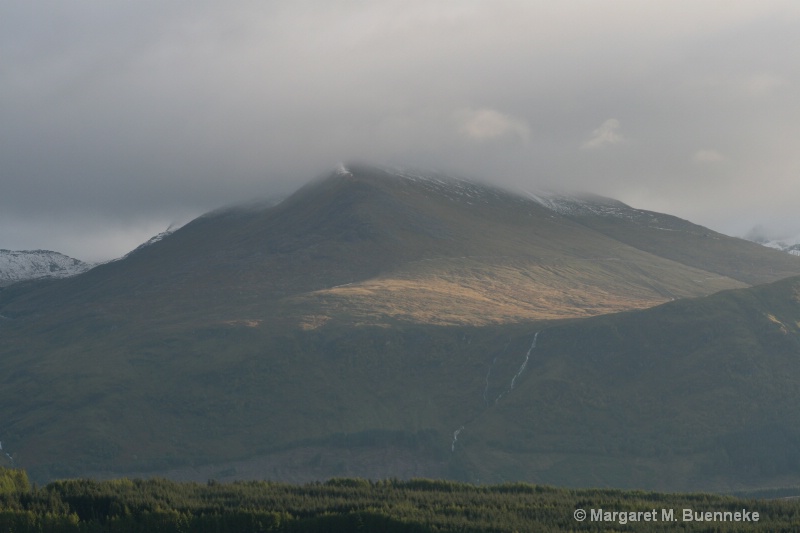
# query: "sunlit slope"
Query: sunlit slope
477,291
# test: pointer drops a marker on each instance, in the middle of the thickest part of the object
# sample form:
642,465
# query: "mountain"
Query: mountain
384,323
34,264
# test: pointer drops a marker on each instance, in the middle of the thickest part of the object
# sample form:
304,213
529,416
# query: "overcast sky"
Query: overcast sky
120,118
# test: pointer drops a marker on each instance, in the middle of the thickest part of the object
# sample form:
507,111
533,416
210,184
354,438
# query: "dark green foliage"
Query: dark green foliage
13,481
417,505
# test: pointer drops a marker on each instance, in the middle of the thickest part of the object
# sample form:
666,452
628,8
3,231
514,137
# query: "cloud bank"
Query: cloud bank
119,118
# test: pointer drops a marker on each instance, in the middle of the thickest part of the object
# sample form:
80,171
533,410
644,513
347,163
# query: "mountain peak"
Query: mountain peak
23,265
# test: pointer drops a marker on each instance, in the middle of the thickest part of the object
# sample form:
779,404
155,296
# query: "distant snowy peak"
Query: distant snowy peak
765,237
35,264
790,246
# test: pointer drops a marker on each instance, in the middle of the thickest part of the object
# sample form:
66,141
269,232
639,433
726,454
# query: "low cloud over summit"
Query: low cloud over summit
118,120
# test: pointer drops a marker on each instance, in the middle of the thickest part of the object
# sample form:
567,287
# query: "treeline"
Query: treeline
159,505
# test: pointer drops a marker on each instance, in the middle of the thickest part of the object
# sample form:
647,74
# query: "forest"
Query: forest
416,505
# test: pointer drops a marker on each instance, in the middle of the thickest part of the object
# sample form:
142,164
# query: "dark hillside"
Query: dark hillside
697,393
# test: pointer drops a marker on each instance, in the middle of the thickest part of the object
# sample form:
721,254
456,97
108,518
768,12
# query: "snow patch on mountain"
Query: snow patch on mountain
24,265
151,241
342,170
583,204
452,188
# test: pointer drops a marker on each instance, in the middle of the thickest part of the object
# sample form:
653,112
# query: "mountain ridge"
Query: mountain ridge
403,227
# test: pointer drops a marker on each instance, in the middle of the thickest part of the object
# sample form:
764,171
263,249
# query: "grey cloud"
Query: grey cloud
488,124
607,134
124,113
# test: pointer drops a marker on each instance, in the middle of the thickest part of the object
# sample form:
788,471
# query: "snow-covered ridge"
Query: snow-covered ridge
152,240
471,192
24,265
577,205
455,189
561,203
589,205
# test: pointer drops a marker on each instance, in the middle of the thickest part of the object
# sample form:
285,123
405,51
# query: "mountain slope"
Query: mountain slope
533,263
698,393
370,315
671,237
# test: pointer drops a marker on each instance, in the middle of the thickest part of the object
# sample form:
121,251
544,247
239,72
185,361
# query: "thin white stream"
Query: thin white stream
510,388
455,438
524,363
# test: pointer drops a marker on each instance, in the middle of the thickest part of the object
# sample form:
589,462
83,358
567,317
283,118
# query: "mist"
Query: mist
120,119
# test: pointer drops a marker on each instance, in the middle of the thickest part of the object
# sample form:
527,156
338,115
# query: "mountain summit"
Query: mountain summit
373,246
377,323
